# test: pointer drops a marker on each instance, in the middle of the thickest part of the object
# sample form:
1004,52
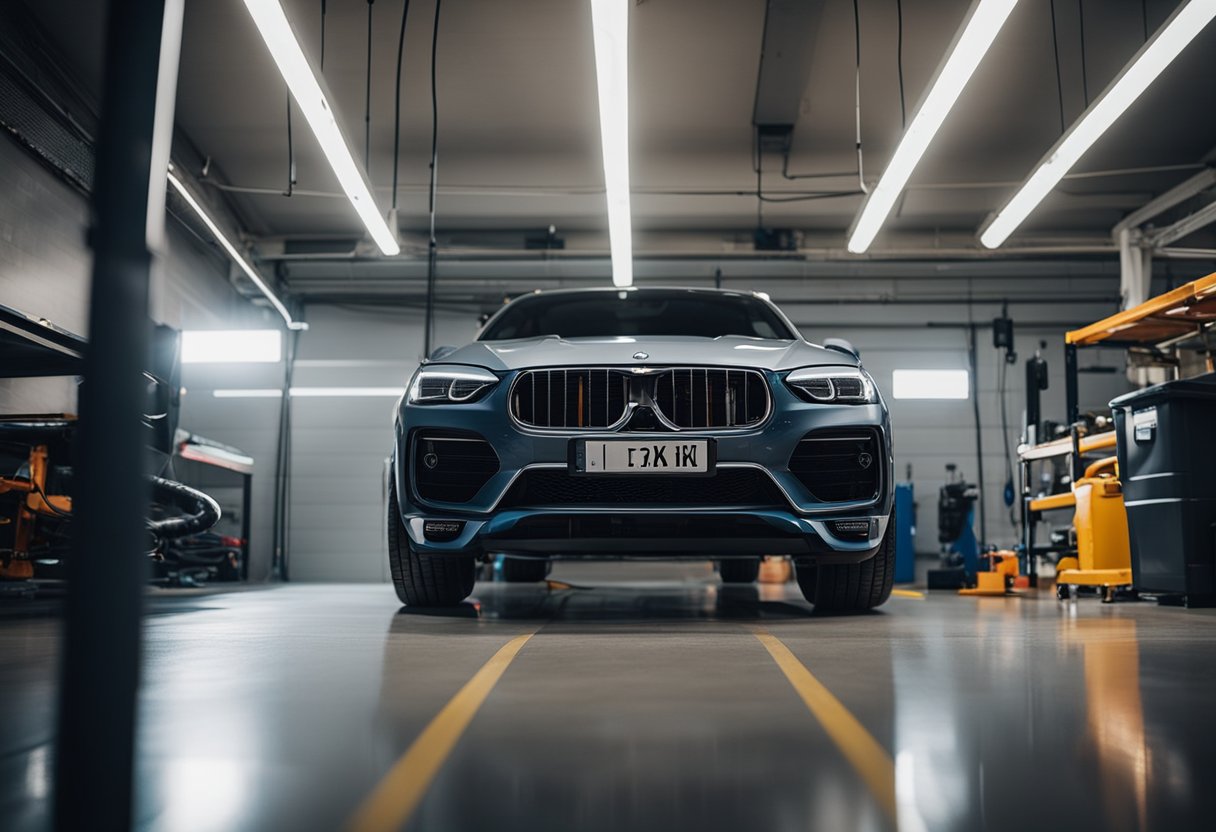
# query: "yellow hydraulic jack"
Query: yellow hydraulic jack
1002,577
1104,557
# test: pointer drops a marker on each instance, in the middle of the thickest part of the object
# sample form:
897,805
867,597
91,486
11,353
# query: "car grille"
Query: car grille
711,397
452,468
741,487
706,398
839,464
570,398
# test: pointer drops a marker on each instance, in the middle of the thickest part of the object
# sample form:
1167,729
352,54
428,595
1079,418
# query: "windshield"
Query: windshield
646,312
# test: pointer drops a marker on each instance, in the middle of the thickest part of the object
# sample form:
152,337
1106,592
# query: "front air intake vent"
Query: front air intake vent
839,465
587,399
452,468
737,487
711,397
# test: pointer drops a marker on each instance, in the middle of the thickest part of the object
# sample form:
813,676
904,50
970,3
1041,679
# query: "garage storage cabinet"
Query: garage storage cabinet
1167,453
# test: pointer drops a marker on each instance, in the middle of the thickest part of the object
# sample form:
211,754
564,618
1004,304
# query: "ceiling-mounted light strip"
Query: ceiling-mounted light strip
1152,59
236,256
307,91
980,27
610,24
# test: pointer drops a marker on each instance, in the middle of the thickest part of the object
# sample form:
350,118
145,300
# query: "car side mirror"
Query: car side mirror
440,353
841,345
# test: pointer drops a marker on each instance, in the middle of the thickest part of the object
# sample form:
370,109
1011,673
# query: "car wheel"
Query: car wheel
739,570
851,587
424,580
524,570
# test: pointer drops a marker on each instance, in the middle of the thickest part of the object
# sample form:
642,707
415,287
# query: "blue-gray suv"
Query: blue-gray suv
642,423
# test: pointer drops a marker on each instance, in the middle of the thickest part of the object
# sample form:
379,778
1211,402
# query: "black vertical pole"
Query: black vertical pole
1071,398
979,434
100,662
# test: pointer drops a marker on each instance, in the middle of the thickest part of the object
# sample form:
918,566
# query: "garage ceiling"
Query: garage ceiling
519,134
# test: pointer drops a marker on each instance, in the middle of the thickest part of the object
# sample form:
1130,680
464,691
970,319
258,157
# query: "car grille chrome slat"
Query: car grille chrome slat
711,398
569,398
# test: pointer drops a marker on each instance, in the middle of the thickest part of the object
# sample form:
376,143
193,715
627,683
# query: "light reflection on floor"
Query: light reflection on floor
644,701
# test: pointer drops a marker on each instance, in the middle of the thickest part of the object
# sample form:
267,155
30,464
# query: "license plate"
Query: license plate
644,457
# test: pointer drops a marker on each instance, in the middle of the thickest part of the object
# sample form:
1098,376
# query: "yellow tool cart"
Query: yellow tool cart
1097,553
1154,333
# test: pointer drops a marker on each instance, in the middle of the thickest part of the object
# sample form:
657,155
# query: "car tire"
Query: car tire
739,570
524,570
424,580
851,587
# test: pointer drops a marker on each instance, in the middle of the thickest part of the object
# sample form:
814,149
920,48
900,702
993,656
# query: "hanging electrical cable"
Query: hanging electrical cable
861,178
1055,47
432,247
397,106
1084,73
291,154
899,62
1002,393
322,35
281,529
367,96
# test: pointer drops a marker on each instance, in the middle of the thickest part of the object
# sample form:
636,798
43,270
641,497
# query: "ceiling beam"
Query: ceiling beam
1185,227
1176,195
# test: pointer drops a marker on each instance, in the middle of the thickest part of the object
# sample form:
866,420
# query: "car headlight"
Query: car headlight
450,385
833,385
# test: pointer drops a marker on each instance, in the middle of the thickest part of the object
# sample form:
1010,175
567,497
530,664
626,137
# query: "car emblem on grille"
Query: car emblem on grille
641,356
864,460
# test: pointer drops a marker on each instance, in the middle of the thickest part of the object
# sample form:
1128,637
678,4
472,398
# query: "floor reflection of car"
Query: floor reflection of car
642,423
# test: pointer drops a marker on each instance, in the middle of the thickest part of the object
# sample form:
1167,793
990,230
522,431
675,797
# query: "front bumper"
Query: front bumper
801,526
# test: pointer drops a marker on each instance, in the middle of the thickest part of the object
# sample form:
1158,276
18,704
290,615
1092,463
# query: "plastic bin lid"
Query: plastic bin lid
1200,387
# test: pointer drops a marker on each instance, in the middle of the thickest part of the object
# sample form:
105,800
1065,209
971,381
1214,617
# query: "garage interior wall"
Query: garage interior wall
45,272
337,487
337,504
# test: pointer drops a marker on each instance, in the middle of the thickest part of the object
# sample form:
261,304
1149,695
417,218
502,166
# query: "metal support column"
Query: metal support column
100,662
1071,399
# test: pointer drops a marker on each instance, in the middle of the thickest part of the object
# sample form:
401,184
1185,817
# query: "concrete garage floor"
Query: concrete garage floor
646,699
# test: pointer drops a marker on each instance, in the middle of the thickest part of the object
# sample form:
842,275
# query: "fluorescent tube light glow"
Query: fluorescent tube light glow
248,393
306,90
240,346
971,43
311,393
610,24
236,256
930,384
1152,59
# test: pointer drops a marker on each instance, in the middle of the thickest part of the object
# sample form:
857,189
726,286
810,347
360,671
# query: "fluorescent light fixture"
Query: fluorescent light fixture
610,24
307,91
984,20
311,393
236,256
232,346
930,384
1152,59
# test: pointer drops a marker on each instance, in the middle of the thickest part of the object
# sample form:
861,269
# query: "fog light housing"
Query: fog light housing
442,531
858,529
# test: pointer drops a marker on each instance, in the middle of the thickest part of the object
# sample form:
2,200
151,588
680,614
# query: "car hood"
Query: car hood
661,351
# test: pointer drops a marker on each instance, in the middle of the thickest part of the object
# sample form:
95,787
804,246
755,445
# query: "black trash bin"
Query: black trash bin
1167,463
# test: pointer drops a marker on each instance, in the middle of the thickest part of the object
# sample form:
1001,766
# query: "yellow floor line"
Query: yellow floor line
398,794
869,759
908,593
